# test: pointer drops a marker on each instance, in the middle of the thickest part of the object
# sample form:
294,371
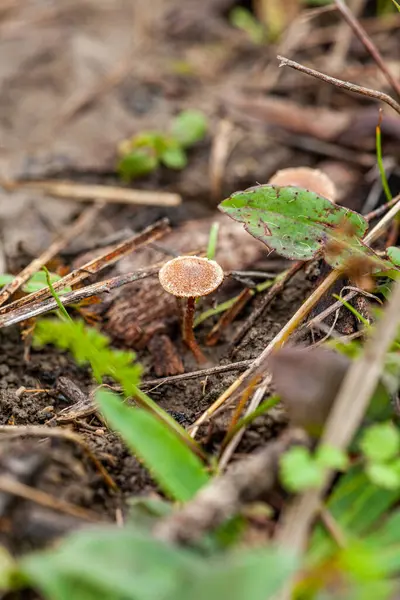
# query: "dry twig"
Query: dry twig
155,383
345,417
148,235
346,85
368,43
84,192
70,233
58,432
269,296
12,486
49,304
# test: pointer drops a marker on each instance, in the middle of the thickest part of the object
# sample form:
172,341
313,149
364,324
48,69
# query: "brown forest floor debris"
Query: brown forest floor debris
71,88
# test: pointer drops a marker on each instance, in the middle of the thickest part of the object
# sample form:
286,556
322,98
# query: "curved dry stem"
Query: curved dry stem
346,85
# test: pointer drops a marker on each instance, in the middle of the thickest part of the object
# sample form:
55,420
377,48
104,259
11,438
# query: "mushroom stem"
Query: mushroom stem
188,335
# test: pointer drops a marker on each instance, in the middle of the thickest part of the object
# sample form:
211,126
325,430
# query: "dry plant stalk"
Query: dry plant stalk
148,235
77,227
86,192
295,321
35,309
345,418
58,432
16,488
346,85
362,35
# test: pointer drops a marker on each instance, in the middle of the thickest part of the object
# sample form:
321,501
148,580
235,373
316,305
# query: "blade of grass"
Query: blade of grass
176,468
385,184
61,307
213,240
263,408
351,308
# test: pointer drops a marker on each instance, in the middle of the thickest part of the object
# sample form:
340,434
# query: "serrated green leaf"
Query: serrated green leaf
380,442
332,458
87,345
393,253
383,475
126,564
298,470
177,470
174,157
298,224
189,127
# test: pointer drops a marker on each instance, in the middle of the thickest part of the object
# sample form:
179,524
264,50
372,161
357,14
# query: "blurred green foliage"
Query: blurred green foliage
143,153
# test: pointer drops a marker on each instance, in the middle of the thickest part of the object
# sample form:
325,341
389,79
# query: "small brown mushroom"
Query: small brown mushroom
191,277
313,180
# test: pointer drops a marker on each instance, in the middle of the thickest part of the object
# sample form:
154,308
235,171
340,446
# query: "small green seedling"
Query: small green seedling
243,19
380,445
143,153
300,470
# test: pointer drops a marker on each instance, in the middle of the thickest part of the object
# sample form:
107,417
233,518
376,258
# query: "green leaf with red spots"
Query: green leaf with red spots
299,224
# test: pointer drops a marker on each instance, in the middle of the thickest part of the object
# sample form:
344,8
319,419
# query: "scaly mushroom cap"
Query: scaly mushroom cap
191,276
309,179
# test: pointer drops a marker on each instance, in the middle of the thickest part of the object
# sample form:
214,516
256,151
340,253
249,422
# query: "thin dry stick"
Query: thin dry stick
156,383
229,316
84,192
346,415
337,58
293,324
279,340
270,295
368,43
351,87
148,235
84,219
58,432
49,304
380,210
11,486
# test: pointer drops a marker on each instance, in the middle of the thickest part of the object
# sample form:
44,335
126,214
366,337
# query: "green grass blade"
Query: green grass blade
213,240
385,184
60,305
177,470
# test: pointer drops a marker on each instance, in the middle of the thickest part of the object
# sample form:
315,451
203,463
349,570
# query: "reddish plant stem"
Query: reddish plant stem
188,335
